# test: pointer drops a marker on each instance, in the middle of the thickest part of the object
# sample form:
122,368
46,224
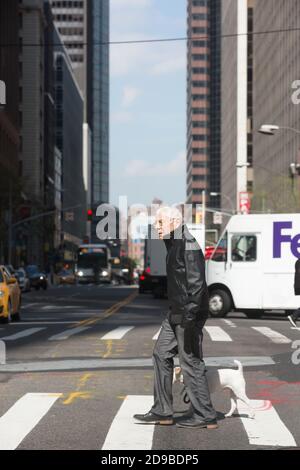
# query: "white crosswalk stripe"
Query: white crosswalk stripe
124,433
118,333
23,416
274,336
22,334
266,429
217,334
68,333
230,323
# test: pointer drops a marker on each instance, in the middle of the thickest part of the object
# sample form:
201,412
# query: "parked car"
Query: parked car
10,269
10,296
38,279
66,276
22,279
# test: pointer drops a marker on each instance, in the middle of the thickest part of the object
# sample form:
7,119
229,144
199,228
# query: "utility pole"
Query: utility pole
10,228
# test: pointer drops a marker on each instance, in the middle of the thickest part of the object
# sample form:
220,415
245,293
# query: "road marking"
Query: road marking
124,433
113,363
22,334
274,336
30,305
110,311
29,322
23,416
73,396
109,346
217,334
67,333
118,333
155,337
266,429
230,323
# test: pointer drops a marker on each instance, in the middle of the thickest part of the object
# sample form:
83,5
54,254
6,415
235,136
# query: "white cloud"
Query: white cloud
152,59
144,168
122,117
130,94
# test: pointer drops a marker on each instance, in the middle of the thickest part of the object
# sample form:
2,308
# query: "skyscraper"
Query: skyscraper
69,17
276,101
203,99
9,114
236,102
84,27
97,95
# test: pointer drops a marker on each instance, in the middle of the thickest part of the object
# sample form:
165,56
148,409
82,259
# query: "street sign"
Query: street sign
218,218
245,203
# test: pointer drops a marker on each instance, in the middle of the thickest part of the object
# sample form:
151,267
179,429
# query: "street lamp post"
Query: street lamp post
271,129
214,194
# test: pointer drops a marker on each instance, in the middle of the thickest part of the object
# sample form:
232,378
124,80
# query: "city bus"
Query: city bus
93,264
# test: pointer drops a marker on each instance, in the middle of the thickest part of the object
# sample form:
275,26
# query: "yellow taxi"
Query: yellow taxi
10,297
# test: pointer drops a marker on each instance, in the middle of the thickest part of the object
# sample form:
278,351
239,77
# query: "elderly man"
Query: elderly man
181,331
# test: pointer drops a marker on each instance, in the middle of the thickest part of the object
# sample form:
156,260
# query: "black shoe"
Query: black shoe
195,423
151,418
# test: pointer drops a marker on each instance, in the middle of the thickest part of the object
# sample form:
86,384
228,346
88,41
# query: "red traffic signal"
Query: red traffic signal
90,214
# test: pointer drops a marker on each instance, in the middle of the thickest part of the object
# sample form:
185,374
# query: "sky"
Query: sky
148,102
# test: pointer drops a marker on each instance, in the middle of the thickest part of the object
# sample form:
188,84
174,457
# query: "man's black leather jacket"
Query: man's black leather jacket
187,288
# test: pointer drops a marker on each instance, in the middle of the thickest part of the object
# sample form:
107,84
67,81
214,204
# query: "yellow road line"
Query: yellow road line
75,395
109,345
110,311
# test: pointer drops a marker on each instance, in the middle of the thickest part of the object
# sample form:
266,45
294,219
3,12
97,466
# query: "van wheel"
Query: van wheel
219,303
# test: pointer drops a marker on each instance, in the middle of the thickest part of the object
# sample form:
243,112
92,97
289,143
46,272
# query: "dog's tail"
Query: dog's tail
239,364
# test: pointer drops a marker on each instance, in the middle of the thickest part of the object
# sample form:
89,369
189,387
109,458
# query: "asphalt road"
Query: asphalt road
78,366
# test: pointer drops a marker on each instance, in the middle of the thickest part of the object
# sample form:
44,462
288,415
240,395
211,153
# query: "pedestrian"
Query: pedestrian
294,317
181,331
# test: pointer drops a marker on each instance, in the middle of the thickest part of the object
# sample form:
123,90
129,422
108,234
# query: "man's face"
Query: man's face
165,225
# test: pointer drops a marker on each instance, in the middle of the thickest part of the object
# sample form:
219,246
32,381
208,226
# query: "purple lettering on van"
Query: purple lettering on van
279,238
296,246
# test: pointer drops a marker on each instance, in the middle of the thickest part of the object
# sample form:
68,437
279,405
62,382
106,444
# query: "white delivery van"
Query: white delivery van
252,268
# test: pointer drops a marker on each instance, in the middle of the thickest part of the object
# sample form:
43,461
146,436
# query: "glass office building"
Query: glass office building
98,97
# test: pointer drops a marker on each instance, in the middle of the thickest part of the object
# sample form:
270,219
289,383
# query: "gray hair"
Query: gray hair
172,213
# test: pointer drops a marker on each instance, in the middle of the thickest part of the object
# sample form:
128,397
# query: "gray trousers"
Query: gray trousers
173,340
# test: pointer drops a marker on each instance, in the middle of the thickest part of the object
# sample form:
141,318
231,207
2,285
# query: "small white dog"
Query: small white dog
225,379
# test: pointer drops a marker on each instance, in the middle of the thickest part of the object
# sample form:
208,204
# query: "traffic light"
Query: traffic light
89,215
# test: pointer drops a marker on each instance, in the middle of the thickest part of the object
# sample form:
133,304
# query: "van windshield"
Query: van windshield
220,253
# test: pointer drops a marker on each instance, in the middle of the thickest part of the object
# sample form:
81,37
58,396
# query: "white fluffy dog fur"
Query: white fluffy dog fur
225,379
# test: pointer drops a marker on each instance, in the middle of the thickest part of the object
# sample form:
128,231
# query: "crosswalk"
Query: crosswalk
220,334
23,416
266,429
